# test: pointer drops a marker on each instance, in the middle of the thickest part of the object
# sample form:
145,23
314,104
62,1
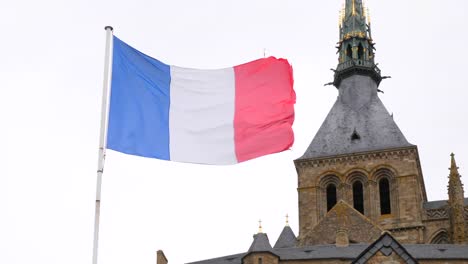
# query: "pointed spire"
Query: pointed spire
287,238
260,229
356,48
453,165
287,220
455,184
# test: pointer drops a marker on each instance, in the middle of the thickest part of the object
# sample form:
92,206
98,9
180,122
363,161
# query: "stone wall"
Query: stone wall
260,258
433,228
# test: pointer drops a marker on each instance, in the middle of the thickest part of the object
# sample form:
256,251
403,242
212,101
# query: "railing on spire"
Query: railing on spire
356,66
354,62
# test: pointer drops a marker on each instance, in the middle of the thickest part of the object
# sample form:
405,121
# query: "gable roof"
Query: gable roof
386,245
286,239
342,216
357,122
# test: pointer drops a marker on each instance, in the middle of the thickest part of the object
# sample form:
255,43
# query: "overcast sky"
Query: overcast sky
51,72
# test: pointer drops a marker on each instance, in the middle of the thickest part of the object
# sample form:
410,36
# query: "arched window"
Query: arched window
358,196
384,190
331,196
260,261
360,52
441,238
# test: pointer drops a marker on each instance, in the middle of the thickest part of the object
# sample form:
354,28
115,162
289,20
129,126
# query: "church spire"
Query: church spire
355,46
456,204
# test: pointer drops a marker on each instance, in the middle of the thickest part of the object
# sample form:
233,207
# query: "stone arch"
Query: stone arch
381,170
441,236
329,178
324,187
357,174
379,176
360,52
359,199
326,175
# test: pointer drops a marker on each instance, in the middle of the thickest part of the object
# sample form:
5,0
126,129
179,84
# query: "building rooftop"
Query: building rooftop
286,239
418,251
439,204
357,122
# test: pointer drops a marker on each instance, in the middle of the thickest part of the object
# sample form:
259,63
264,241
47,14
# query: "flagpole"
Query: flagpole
103,134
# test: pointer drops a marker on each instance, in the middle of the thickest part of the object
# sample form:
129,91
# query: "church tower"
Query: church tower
361,192
359,156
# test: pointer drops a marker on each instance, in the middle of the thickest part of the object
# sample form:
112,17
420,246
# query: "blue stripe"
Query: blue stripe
139,104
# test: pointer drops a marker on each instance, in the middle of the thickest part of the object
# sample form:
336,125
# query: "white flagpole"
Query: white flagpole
103,134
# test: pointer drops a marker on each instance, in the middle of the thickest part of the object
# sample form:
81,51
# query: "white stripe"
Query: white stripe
201,116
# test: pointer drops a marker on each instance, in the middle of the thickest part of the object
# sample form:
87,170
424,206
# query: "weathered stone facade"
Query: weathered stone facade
408,221
400,166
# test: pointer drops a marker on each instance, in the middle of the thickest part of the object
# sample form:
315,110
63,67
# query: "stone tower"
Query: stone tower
359,155
456,205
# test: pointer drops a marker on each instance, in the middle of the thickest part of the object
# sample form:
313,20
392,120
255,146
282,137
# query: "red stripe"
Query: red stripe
264,105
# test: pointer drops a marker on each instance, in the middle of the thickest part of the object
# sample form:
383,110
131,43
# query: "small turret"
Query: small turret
260,251
456,205
287,238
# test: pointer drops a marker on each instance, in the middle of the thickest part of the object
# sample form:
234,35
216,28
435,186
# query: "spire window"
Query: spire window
358,196
360,52
331,196
349,52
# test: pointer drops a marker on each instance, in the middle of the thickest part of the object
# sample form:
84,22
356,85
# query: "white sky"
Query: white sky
51,72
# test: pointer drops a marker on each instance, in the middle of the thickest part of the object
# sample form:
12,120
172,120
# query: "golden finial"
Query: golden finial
260,229
339,18
343,13
287,220
368,15
362,8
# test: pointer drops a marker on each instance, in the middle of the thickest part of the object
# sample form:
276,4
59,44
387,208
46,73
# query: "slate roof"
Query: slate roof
439,204
260,244
286,239
357,122
418,251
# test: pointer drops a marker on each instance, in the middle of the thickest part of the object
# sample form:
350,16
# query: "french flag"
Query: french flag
222,116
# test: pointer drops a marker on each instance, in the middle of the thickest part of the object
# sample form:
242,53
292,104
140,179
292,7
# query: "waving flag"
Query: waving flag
222,116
